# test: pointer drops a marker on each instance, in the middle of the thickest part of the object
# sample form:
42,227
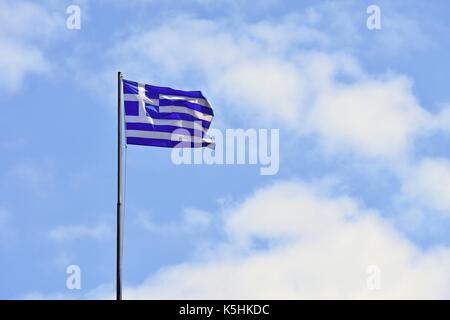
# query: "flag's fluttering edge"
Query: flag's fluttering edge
166,117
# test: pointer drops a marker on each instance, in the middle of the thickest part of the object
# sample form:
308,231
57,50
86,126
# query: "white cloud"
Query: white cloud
26,27
35,177
26,19
100,231
427,185
18,60
271,74
319,246
193,220
270,84
239,69
376,118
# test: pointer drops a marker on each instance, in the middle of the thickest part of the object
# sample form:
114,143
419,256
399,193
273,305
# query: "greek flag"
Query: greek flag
166,117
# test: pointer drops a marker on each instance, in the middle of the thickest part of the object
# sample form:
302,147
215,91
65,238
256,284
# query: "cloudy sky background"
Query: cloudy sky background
364,180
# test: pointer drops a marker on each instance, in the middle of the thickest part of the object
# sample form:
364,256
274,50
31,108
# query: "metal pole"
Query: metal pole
119,190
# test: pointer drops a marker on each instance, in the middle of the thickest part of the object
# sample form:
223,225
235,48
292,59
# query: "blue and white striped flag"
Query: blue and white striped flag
165,117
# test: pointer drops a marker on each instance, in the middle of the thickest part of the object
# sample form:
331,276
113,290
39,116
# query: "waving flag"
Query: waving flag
166,117
160,117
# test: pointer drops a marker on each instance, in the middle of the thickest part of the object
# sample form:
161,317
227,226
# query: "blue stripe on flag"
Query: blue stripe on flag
166,143
130,87
162,128
154,92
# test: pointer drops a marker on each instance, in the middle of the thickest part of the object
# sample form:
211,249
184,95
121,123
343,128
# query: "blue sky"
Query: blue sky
364,173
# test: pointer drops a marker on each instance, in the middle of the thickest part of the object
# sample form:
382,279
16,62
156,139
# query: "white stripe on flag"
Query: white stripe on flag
199,101
136,97
192,112
165,136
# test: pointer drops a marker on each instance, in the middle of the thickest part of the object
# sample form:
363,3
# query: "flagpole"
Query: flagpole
119,190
